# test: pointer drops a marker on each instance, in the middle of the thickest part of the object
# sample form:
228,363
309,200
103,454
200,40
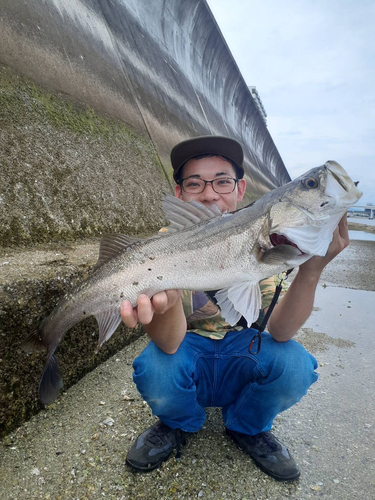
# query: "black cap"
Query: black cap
206,144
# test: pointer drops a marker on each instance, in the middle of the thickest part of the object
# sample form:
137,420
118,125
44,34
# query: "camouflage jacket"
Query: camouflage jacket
204,318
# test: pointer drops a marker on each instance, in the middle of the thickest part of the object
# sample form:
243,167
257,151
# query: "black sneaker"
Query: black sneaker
154,446
269,454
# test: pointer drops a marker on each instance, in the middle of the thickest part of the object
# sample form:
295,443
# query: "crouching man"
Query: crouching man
195,359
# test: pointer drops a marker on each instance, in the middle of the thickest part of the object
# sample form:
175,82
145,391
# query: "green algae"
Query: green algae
21,98
68,172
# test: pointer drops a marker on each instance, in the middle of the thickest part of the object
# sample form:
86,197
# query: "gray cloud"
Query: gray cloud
312,62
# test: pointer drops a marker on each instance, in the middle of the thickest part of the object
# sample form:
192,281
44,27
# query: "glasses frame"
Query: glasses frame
208,182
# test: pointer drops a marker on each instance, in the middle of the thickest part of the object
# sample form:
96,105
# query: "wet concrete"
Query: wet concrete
77,447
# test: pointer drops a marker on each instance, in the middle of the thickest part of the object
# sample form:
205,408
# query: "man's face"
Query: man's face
211,168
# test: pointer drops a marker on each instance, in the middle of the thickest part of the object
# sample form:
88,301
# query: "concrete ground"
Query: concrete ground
76,448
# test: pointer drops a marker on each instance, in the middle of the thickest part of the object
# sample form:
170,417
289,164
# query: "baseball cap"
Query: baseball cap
206,144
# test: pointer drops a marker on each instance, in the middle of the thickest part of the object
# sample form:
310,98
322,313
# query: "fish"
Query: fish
202,249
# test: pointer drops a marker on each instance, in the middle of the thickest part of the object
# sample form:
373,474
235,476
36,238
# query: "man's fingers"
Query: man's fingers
145,309
341,234
340,239
343,228
143,313
173,295
128,314
160,302
163,301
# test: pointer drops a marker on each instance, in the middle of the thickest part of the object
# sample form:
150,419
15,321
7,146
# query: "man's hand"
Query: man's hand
339,242
162,315
146,308
296,306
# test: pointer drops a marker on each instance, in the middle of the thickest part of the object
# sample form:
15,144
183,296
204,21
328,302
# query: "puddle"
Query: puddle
345,314
361,236
362,220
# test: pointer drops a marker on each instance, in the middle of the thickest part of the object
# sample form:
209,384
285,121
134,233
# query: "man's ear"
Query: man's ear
178,191
241,189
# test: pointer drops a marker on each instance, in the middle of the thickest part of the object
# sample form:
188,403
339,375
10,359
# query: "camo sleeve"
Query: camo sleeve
268,287
187,302
204,317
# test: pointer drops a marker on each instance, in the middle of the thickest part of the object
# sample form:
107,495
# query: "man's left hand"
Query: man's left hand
339,241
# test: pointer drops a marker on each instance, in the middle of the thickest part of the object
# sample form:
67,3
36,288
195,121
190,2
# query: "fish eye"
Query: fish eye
310,183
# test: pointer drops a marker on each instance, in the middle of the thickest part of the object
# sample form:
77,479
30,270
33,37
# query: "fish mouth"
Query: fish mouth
343,180
280,239
339,180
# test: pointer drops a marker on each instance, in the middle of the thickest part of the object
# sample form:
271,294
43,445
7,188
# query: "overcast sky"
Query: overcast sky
313,64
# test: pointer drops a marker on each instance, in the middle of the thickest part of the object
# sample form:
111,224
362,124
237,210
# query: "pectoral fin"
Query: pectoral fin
242,299
33,342
228,311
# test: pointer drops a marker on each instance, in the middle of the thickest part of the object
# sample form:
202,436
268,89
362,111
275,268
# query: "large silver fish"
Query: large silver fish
204,249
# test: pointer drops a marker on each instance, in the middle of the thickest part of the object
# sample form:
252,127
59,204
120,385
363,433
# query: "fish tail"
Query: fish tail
51,381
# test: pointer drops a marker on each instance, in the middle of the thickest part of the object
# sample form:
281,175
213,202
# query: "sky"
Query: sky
313,64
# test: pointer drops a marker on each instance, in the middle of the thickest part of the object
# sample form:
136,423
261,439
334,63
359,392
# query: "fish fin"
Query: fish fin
33,342
108,321
280,253
182,214
241,299
228,310
51,382
112,245
211,211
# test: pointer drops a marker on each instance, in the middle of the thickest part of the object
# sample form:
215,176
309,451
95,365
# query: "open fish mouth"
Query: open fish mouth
280,239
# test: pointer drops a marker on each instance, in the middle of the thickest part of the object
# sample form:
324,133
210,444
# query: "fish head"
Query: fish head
309,209
323,190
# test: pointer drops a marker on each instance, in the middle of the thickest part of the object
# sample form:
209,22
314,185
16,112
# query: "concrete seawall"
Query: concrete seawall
93,95
161,67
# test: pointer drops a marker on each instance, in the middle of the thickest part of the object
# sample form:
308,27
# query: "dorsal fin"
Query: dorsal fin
112,245
182,214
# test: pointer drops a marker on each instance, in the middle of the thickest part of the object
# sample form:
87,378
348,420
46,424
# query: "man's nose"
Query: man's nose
209,193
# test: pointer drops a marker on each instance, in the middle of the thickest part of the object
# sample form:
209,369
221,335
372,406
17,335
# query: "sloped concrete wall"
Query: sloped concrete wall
93,95
161,67
69,172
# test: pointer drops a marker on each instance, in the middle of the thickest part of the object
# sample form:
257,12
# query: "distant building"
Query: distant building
368,210
258,103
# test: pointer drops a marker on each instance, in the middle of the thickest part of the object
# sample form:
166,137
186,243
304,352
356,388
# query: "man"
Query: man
181,372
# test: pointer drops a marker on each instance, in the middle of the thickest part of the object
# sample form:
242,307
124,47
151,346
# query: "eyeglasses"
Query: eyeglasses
223,185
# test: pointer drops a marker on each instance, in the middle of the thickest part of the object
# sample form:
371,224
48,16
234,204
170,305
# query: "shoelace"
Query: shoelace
266,439
159,437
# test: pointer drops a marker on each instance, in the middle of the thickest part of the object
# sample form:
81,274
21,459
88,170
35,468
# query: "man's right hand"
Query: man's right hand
144,312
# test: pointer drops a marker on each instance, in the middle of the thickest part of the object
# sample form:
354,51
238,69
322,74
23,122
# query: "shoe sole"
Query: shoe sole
261,466
148,469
